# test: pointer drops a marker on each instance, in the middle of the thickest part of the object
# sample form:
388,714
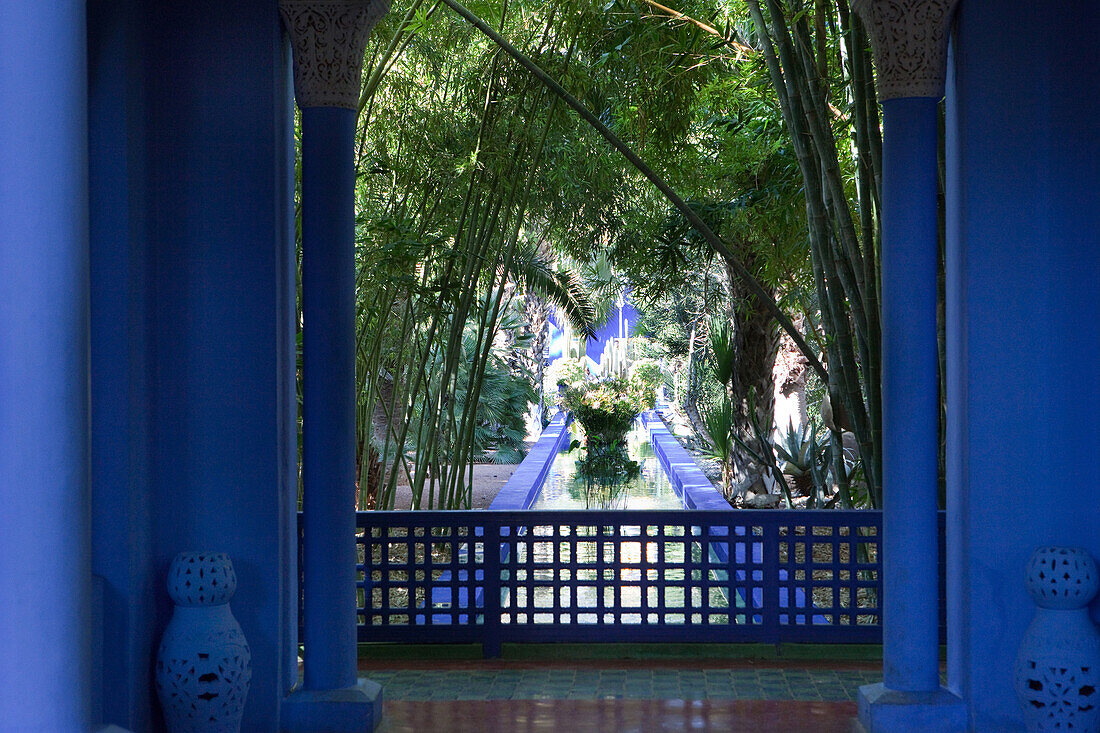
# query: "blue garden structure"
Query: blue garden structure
621,319
147,347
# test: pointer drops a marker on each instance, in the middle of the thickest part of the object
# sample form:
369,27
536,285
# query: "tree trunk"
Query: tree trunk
691,393
752,387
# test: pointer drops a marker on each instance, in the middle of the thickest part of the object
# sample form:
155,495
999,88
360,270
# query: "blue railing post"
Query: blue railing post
769,540
491,626
731,578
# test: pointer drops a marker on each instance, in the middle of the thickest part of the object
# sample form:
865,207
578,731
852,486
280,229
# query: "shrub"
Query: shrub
646,378
605,410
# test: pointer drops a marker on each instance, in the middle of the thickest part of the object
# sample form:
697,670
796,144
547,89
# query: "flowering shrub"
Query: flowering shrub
605,410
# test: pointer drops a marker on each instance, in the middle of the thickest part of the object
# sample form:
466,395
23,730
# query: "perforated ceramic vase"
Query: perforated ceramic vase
204,666
1057,675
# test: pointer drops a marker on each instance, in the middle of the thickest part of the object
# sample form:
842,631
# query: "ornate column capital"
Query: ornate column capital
329,38
910,41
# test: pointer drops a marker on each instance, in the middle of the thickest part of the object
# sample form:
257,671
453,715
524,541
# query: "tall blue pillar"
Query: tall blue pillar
44,501
329,38
910,399
910,51
328,396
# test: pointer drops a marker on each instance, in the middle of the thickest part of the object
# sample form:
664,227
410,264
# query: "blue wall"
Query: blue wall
192,364
618,325
1023,322
121,392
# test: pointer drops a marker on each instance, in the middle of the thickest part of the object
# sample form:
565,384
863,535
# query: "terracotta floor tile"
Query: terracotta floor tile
486,696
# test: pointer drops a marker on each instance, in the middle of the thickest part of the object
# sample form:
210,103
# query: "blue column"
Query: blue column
327,88
910,698
44,502
328,396
910,403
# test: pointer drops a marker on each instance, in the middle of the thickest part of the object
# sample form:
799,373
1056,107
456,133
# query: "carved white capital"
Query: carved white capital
910,41
329,38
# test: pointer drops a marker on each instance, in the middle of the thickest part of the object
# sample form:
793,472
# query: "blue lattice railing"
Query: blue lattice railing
675,576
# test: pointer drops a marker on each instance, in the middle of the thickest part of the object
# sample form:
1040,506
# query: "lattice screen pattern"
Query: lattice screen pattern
494,577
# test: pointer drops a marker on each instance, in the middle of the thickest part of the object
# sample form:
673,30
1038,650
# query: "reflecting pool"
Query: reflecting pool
565,488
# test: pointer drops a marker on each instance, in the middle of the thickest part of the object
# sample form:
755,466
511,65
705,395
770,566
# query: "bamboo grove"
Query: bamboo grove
720,159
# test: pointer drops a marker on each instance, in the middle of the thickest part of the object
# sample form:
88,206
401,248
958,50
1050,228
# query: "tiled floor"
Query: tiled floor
613,697
616,716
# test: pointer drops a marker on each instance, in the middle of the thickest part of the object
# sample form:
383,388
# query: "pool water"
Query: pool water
564,488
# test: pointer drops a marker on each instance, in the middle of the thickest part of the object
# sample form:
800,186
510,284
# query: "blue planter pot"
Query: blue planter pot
204,666
1057,675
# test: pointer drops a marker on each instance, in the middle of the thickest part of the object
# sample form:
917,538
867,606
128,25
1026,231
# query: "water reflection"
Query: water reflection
611,482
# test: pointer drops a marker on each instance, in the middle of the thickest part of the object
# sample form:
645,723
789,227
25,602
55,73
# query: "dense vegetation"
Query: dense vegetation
719,159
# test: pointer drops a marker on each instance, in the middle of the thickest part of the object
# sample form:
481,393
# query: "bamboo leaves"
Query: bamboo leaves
444,253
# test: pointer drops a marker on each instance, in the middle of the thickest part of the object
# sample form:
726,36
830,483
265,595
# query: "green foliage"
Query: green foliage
646,377
817,60
474,185
501,427
564,288
448,245
723,350
720,419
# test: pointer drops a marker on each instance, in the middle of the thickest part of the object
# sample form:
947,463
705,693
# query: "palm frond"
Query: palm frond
563,289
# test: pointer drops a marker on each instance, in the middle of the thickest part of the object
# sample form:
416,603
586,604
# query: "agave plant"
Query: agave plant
805,459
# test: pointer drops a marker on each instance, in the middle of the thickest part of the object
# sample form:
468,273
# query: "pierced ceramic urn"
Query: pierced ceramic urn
204,666
1057,674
